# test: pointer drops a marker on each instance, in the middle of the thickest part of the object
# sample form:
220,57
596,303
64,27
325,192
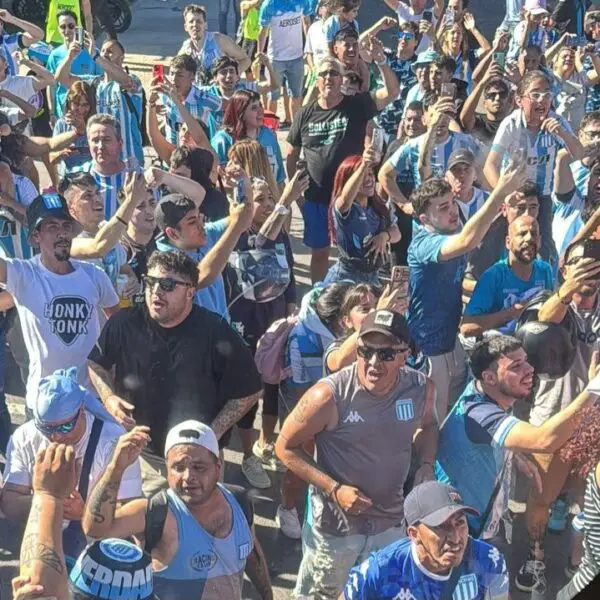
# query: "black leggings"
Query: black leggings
270,403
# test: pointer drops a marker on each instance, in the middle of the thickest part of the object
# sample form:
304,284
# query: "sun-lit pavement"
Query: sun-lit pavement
156,35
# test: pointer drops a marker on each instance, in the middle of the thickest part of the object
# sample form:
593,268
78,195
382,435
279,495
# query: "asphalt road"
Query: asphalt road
156,34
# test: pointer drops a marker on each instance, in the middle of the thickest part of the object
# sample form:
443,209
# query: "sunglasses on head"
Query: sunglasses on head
330,73
406,35
499,95
64,428
166,284
383,354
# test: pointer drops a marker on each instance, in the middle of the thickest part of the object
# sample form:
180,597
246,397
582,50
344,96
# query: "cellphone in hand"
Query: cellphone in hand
448,90
158,72
302,167
377,140
499,58
79,35
428,16
239,193
591,249
449,17
399,279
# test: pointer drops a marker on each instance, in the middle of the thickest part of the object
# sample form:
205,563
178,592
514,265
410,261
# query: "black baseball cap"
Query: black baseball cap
171,209
433,503
391,324
461,156
346,33
112,568
47,206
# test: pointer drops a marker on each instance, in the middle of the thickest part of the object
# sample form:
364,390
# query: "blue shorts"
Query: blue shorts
316,231
292,72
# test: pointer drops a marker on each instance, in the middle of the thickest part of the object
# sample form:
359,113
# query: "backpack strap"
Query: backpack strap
88,459
156,517
451,584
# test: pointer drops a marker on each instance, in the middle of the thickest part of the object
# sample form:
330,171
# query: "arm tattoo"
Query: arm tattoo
33,550
258,572
101,379
103,496
300,411
232,412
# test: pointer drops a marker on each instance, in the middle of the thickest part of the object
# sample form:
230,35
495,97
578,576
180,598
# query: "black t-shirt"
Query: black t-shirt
215,206
328,136
173,374
484,129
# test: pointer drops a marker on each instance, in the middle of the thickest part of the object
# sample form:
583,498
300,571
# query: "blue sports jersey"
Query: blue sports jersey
499,288
75,161
470,208
333,25
471,455
10,43
397,573
435,286
566,220
581,177
593,92
541,148
14,237
223,141
242,84
405,162
109,186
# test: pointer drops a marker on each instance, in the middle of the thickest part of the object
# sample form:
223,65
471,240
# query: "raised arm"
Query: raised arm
108,235
88,17
163,147
63,72
383,24
177,183
469,109
31,33
230,48
387,178
469,21
43,78
272,79
441,115
101,518
350,191
477,226
28,110
391,86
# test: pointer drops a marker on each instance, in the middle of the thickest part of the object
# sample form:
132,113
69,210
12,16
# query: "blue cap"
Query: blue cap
424,58
59,396
112,568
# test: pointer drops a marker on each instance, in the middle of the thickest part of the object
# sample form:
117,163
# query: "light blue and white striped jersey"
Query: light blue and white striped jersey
9,44
566,220
14,241
468,209
581,177
539,38
110,100
213,90
71,163
542,148
109,186
407,157
201,105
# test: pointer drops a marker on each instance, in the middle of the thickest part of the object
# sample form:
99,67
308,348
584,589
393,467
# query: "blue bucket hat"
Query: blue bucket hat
423,59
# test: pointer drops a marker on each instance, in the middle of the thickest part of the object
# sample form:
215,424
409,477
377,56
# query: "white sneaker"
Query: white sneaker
287,520
255,474
267,457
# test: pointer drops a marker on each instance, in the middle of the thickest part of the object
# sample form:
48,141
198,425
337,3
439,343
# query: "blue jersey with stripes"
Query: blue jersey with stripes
82,154
541,147
10,43
242,84
471,455
223,141
581,177
14,237
334,24
205,566
201,106
566,219
397,573
470,208
108,185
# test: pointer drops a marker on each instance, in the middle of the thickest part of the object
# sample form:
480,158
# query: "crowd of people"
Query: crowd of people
445,360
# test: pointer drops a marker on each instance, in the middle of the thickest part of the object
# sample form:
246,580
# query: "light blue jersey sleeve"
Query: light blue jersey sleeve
215,230
484,301
426,248
221,143
363,581
266,13
401,160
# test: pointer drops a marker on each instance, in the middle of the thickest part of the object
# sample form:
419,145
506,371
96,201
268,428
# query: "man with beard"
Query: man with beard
437,552
476,440
503,290
169,360
199,531
357,481
328,130
58,299
437,257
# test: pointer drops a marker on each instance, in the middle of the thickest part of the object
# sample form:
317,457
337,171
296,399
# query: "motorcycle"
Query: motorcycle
35,11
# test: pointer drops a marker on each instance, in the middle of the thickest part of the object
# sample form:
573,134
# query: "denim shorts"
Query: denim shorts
316,230
292,72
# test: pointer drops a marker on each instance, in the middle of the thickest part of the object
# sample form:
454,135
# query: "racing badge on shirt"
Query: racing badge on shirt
466,588
405,410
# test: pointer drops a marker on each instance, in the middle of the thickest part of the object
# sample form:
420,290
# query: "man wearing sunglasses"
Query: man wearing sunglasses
172,361
497,104
65,413
357,482
437,558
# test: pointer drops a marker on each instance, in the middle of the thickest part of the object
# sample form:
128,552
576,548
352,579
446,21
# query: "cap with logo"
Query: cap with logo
171,209
47,206
536,7
433,503
195,433
391,324
112,568
461,156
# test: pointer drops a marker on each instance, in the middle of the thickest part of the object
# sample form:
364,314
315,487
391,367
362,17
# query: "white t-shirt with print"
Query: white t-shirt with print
59,315
316,42
285,39
27,441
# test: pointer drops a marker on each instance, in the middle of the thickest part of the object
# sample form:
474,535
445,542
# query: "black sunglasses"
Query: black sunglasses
492,95
383,354
166,284
330,72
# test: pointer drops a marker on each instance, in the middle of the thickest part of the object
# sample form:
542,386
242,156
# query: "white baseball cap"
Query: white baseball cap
192,432
536,7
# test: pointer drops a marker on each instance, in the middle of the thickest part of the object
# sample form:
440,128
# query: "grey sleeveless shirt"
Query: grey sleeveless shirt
370,449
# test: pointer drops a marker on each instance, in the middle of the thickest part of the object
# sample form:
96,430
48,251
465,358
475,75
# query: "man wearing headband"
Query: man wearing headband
357,482
437,557
107,569
63,414
199,531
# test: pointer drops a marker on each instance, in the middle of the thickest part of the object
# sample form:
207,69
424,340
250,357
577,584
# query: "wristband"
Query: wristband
562,300
96,55
334,490
280,209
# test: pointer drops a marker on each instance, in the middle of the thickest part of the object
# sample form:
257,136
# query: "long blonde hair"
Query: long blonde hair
253,158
